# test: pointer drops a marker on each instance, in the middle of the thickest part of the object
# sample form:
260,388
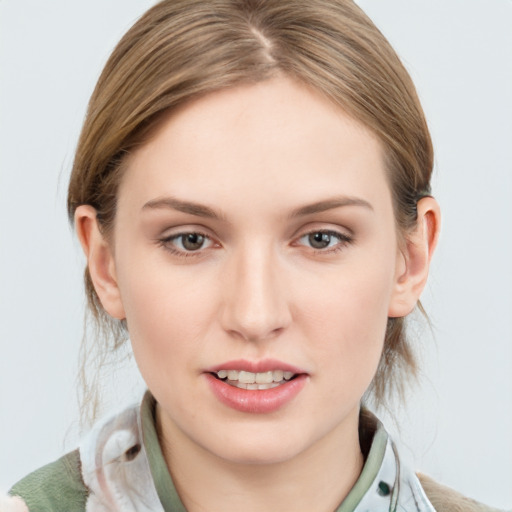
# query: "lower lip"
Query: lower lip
256,401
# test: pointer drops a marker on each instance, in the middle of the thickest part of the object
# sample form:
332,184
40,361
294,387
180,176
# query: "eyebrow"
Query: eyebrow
330,204
201,210
189,207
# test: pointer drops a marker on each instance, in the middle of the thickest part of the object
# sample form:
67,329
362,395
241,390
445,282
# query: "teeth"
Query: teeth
278,375
250,380
246,377
264,378
241,385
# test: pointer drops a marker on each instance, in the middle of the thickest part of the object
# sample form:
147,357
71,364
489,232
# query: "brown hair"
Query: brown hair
445,499
182,49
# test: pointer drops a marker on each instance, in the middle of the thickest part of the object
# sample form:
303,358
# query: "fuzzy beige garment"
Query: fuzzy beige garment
445,499
12,504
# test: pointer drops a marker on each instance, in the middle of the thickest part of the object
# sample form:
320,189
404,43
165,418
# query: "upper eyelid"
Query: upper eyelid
342,237
333,231
176,231
171,236
325,223
319,228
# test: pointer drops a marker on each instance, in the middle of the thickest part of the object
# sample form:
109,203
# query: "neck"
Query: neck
318,478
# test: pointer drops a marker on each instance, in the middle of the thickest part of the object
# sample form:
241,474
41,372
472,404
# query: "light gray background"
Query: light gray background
458,425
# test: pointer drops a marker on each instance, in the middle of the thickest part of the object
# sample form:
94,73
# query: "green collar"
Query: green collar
169,496
371,467
163,482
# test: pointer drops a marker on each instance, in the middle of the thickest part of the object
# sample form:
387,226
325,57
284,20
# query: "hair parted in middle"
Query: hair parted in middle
180,50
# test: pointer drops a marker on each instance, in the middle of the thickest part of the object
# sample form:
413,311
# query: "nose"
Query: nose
255,303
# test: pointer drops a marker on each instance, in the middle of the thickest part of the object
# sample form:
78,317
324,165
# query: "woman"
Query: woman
251,190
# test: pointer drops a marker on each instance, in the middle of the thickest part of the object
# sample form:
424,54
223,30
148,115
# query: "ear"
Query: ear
414,258
100,260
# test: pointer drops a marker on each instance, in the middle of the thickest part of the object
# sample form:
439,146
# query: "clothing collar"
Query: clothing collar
124,467
163,482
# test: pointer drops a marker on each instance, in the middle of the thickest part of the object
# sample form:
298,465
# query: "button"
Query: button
132,452
384,489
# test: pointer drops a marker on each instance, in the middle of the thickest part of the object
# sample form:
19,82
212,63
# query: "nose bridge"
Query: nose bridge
255,307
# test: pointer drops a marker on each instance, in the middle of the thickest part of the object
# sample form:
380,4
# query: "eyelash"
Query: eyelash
167,242
343,240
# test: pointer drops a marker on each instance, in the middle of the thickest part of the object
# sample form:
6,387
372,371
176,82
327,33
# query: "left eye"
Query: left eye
323,239
190,242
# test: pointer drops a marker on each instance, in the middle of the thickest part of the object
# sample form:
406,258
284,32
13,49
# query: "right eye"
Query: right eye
186,244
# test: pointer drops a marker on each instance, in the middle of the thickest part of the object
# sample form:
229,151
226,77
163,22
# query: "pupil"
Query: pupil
319,240
192,241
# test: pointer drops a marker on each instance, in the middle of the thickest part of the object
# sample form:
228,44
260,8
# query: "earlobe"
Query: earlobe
100,260
413,261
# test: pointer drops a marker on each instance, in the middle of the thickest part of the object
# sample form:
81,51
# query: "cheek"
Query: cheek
348,323
168,314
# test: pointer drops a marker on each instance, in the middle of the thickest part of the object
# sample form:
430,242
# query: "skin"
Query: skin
255,156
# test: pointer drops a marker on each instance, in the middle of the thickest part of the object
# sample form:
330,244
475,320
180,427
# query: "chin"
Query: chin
251,446
261,454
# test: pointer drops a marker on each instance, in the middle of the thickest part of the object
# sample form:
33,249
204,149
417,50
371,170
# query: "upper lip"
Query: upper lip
264,365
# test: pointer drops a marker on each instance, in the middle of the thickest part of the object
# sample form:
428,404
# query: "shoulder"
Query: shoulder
110,458
56,487
445,499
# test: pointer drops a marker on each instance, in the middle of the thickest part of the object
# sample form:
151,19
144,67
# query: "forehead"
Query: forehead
277,139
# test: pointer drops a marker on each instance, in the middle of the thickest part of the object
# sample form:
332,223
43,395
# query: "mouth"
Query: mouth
259,387
254,381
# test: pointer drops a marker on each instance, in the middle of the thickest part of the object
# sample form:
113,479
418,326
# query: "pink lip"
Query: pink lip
256,401
265,365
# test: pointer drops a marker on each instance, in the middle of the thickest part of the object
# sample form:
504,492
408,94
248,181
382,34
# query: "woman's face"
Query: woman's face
255,247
